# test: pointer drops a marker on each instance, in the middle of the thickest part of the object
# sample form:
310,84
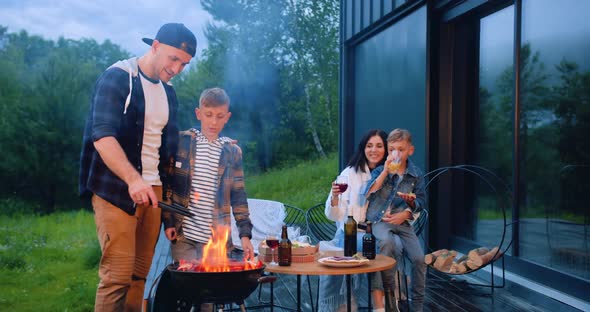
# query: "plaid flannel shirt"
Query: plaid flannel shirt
107,118
231,194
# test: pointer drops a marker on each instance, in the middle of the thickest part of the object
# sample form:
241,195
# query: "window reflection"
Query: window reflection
555,124
493,141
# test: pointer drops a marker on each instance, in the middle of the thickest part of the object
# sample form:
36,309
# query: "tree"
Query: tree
273,73
570,103
532,128
314,58
44,116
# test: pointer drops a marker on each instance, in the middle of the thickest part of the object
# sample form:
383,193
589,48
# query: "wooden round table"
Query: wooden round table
380,263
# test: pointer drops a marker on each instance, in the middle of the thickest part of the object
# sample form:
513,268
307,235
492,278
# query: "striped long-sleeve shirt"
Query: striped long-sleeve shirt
213,171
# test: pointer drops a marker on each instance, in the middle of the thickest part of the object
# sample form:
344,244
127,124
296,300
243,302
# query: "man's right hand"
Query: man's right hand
114,157
142,193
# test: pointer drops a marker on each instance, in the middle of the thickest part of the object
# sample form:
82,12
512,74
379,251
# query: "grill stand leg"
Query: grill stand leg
348,295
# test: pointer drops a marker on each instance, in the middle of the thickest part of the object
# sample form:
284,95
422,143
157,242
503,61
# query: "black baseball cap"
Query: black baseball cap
176,35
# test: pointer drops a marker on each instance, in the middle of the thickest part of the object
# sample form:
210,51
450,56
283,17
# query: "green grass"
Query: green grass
303,186
43,262
49,263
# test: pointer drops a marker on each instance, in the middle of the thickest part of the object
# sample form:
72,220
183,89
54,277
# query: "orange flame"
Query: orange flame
215,252
215,257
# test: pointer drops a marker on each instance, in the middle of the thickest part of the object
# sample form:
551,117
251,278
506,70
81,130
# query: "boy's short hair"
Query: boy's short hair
213,97
399,135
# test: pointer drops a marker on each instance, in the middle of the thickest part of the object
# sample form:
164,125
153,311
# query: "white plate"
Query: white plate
329,261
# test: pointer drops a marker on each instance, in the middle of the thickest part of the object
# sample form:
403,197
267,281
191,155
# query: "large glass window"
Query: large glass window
554,110
493,130
554,129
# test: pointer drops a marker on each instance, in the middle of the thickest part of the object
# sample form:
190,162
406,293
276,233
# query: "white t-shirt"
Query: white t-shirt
156,118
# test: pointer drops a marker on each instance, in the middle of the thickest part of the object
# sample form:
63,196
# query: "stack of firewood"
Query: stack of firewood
444,260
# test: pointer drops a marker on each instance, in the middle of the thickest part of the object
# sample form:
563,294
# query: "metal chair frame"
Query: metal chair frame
319,227
504,197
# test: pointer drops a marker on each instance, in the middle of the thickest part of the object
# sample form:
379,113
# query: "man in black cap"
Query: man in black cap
129,143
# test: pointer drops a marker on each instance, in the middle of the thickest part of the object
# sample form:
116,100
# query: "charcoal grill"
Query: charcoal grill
176,290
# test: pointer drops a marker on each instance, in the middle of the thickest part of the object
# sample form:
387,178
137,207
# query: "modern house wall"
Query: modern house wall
504,85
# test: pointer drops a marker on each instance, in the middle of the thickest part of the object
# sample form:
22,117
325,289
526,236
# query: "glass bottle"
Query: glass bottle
350,236
284,248
369,242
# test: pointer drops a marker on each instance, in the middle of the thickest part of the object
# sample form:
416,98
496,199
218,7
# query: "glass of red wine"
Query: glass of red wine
342,183
272,241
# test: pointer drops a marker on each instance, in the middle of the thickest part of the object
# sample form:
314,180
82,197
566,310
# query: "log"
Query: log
462,259
443,262
474,257
458,268
431,257
488,257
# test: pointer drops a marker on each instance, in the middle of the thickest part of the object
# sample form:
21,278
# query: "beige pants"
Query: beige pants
127,244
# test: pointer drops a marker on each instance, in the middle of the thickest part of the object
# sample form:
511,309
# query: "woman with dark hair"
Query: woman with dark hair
370,153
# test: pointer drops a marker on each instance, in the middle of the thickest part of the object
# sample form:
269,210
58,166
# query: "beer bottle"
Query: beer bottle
284,248
350,236
369,242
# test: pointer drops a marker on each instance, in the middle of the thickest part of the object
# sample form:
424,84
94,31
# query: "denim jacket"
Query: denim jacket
386,196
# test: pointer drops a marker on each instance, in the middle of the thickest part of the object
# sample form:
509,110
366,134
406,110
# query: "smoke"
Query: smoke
254,87
250,36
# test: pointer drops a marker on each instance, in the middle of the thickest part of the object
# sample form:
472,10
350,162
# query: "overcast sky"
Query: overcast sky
124,22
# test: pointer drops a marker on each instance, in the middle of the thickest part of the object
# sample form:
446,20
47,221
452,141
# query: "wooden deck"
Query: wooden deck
442,293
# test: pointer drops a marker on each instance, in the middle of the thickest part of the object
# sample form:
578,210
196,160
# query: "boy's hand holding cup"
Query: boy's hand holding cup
393,161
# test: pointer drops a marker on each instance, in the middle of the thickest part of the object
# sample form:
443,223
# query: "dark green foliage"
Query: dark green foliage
44,99
17,206
12,261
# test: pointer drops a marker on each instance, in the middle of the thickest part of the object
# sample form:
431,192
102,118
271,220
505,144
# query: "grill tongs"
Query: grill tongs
176,208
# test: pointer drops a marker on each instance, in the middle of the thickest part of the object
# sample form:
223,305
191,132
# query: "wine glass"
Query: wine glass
342,183
272,241
395,163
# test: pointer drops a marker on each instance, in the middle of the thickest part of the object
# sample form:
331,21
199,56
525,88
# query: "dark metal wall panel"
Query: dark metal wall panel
390,81
362,14
388,6
357,16
377,9
367,11
348,20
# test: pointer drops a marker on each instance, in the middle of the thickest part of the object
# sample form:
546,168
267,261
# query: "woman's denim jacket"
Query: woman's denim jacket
386,196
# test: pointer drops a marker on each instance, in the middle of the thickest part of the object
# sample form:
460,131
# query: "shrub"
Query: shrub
17,206
12,261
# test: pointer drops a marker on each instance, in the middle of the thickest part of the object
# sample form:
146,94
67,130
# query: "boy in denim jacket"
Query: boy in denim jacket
394,195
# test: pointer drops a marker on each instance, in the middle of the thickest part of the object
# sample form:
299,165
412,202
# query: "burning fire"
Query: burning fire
215,256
